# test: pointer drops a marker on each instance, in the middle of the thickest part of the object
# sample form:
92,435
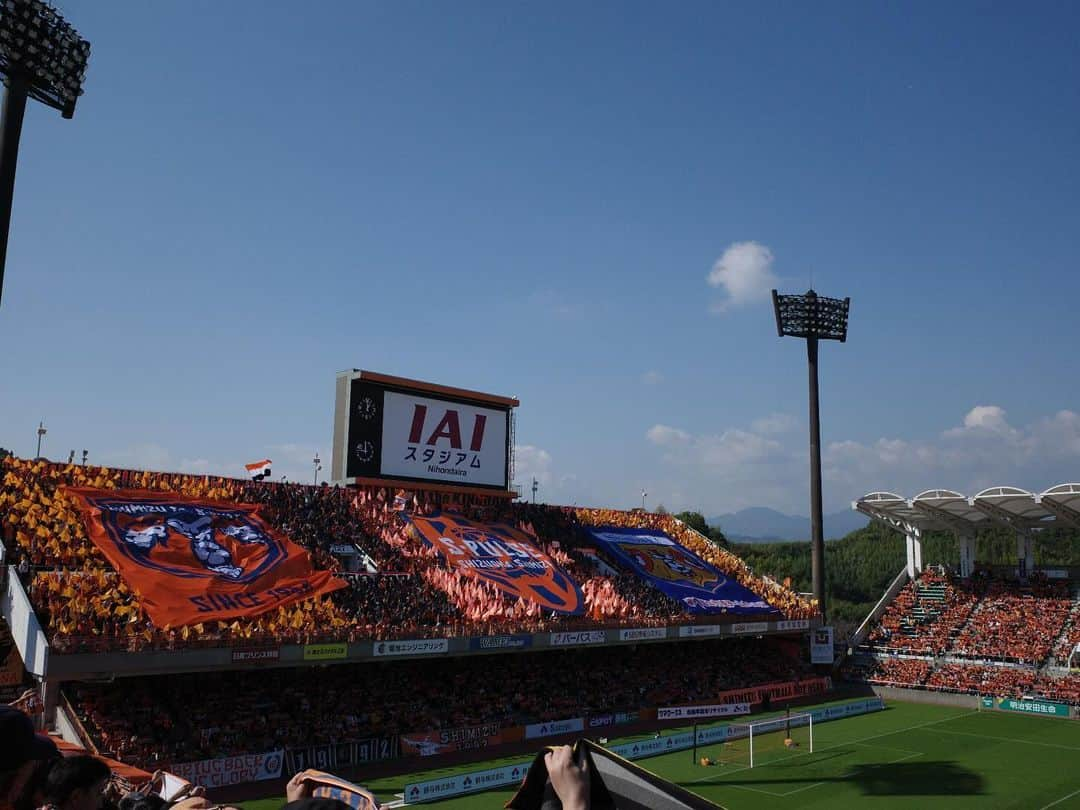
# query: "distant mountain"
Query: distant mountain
759,524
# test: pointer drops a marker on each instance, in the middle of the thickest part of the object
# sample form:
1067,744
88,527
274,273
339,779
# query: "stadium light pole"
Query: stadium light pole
41,431
41,57
813,318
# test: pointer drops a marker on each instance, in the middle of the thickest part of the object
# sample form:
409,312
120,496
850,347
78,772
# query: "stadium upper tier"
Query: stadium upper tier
408,591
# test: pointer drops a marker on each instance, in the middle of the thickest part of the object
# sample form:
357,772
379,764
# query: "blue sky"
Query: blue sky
531,199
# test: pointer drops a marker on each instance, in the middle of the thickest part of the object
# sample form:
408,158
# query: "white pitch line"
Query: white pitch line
890,748
1009,739
759,790
800,790
1059,801
708,779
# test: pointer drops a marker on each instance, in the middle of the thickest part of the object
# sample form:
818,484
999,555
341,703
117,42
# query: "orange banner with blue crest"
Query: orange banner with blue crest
502,555
192,560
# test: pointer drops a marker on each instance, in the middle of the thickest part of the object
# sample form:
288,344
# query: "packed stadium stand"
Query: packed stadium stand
986,635
151,721
389,585
407,592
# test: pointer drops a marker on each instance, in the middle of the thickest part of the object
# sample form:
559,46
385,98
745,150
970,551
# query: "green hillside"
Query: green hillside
860,566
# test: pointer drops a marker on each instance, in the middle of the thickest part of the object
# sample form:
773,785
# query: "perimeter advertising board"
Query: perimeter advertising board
405,430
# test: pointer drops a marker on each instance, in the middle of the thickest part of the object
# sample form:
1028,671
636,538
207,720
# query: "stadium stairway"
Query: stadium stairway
1054,664
894,589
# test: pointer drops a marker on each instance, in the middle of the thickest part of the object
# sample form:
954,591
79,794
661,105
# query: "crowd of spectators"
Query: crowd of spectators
983,680
1016,623
1015,681
985,635
891,671
405,589
153,721
924,616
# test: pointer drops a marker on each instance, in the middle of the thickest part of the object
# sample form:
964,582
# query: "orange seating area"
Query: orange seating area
1015,623
85,606
154,721
924,617
1002,632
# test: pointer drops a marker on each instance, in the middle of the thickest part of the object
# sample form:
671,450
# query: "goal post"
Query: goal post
752,745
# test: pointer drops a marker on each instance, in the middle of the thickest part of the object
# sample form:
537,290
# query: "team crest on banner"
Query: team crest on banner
678,572
193,560
502,555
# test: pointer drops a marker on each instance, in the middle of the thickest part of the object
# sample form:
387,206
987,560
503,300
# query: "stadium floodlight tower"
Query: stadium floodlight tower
41,57
813,318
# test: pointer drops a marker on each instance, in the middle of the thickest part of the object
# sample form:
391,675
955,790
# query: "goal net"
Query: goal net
755,744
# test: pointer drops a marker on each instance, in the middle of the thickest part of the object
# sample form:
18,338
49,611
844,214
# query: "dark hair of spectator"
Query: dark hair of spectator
142,801
71,774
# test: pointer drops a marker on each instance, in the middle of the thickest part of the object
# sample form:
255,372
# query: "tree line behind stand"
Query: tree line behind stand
859,566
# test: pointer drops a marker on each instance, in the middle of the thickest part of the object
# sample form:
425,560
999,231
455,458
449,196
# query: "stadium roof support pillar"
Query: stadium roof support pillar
914,551
1025,557
880,506
967,554
965,539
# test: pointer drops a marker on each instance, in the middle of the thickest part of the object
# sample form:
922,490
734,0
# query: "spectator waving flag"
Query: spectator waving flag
258,470
193,560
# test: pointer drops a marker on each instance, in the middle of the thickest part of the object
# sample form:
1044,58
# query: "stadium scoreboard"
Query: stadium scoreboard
393,429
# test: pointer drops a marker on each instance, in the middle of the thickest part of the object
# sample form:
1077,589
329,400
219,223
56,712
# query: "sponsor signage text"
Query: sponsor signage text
326,652
414,646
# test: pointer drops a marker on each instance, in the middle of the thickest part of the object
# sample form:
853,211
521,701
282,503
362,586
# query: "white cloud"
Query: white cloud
744,272
773,423
983,419
665,436
764,466
652,377
724,451
985,451
532,462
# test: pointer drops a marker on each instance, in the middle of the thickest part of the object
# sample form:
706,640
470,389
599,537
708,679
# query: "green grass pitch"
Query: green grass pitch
910,755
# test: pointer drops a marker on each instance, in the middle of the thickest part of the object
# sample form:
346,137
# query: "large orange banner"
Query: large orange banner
192,560
502,555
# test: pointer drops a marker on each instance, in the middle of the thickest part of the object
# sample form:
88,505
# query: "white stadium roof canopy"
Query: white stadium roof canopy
945,510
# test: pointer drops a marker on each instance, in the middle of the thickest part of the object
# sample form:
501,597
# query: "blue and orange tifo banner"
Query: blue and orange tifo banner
192,560
678,572
502,555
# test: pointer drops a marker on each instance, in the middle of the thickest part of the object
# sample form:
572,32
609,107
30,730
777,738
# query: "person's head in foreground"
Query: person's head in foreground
21,749
77,783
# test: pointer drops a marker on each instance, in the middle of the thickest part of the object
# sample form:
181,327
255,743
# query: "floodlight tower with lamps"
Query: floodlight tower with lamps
41,57
813,318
